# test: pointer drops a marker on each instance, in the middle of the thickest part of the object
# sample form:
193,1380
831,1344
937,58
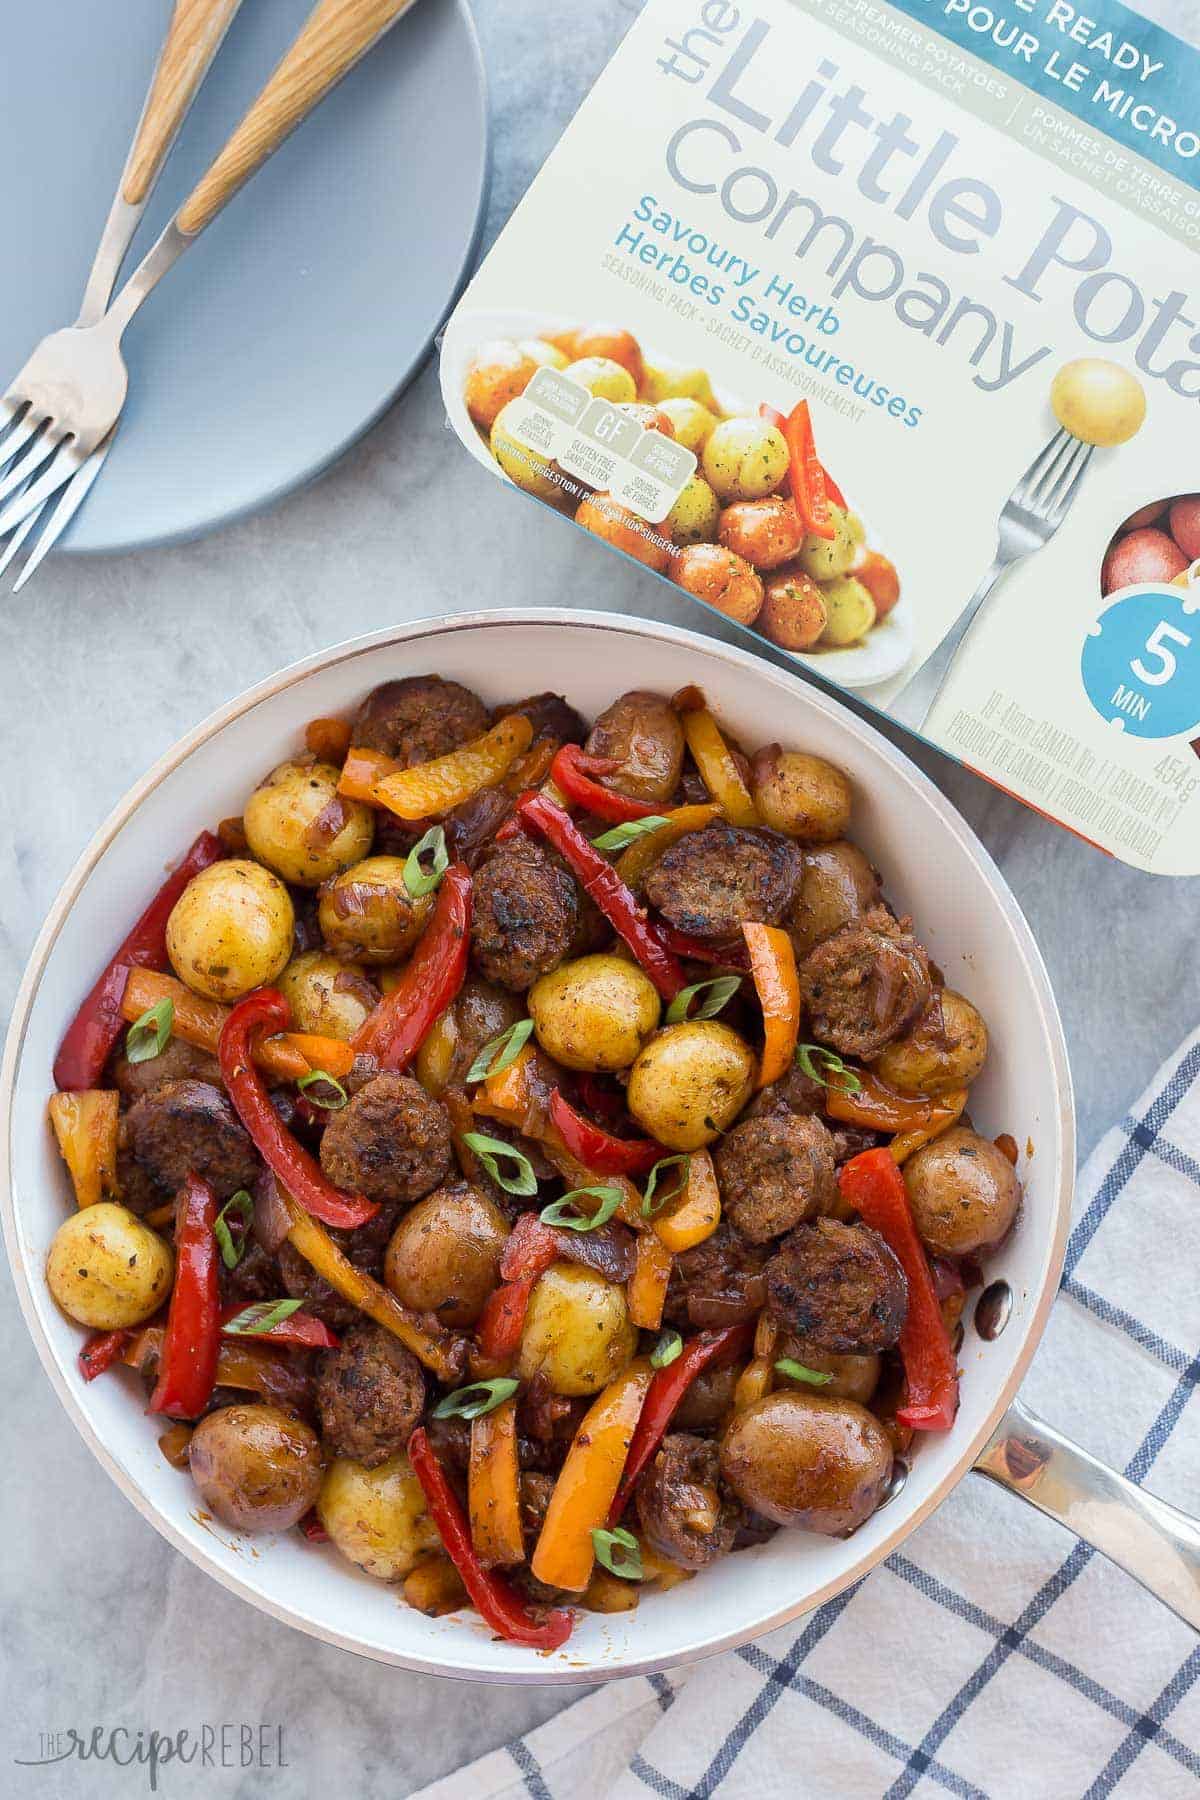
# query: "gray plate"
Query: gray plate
304,309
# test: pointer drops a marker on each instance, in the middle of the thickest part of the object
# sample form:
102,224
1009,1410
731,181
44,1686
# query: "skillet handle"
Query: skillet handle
1151,1540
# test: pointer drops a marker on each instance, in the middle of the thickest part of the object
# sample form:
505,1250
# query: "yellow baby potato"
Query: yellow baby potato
695,515
577,1331
594,1013
283,809
690,1083
231,930
607,379
1098,401
850,609
693,423
108,1270
377,1517
745,459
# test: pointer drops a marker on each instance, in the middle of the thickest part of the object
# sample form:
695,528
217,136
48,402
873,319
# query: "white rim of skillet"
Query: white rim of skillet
427,630
406,374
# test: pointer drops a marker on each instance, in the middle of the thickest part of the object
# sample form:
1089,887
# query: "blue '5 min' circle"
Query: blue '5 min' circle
1141,662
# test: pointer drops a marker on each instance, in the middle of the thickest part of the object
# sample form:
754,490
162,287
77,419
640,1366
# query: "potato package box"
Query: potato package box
876,327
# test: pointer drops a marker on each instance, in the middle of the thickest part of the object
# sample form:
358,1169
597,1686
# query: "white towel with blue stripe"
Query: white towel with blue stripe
990,1657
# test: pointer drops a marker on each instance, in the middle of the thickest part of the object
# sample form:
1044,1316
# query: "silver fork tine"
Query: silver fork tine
1038,467
18,435
1045,488
72,498
44,450
17,539
1069,486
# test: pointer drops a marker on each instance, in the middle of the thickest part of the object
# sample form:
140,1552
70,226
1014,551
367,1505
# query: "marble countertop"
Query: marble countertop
103,663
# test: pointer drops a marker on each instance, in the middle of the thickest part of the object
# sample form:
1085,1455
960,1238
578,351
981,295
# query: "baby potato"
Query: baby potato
640,730
1098,401
500,371
366,914
766,532
297,823
724,580
231,929
745,459
807,1461
793,611
650,418
963,1191
610,344
328,997
604,377
377,1518
946,1048
881,581
695,515
693,423
608,519
577,1331
545,354
801,795
444,1255
256,1468
677,381
826,558
108,1270
837,885
850,609
1145,555
690,1083
594,1013
1184,520
526,468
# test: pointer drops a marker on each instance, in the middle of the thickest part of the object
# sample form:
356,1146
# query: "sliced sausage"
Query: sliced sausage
642,731
866,984
419,718
774,1172
682,1510
189,1126
719,1282
370,1395
176,1062
712,882
838,1285
364,1247
525,914
550,715
391,1143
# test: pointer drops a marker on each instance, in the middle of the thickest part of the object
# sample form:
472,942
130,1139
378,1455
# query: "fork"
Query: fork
1029,518
194,35
67,399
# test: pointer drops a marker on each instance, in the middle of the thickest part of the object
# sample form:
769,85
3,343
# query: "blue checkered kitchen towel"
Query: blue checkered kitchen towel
991,1655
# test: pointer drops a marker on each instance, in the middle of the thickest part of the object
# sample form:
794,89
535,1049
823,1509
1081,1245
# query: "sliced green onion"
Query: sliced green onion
233,1249
666,1350
328,1102
618,1551
819,1064
262,1316
149,1036
798,1372
501,1052
722,988
490,1150
417,878
477,1398
609,1197
652,1205
620,835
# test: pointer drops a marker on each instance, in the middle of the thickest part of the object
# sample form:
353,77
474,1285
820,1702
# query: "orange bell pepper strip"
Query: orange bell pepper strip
877,1106
328,739
200,1022
773,966
85,1125
493,1487
435,1058
332,1056
947,1110
588,1481
806,477
435,1347
647,1291
698,1211
718,770
755,1381
361,770
429,789
639,857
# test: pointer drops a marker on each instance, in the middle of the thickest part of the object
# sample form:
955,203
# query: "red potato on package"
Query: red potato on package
725,580
764,533
499,372
1145,515
793,611
1146,555
1184,521
606,340
605,518
882,581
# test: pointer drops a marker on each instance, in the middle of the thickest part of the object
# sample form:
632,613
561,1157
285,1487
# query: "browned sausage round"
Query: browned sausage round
683,1513
391,1143
525,914
712,882
775,1171
644,734
799,1459
839,1286
419,718
364,1247
550,715
708,1402
176,1062
370,1395
189,1126
719,1282
865,985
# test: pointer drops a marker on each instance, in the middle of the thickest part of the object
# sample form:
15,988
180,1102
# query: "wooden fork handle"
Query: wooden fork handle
193,39
337,34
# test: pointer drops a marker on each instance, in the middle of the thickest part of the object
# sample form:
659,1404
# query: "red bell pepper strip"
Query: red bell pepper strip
98,1024
303,1330
187,1364
599,1149
290,1162
694,949
600,880
806,477
873,1185
395,1031
572,772
832,490
528,1253
101,1351
710,1348
498,1603
313,1529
